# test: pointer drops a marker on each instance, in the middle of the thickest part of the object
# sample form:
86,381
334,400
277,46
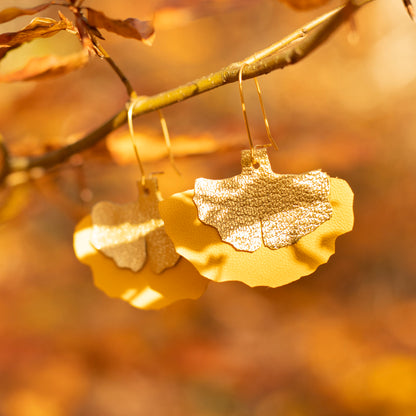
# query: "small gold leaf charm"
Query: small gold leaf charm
134,232
259,207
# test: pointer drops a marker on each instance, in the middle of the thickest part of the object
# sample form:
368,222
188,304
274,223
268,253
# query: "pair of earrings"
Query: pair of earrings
258,227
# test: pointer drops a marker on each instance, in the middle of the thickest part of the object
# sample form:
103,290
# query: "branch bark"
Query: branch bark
291,50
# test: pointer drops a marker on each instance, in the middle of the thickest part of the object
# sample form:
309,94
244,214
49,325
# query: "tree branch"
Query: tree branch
289,51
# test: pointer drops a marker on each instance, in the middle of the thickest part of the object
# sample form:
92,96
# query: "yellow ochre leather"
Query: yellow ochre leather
144,289
219,261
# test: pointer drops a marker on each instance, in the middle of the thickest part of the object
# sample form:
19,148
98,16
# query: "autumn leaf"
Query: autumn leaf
39,27
132,233
305,4
261,207
410,9
86,33
128,28
47,66
13,201
154,148
12,12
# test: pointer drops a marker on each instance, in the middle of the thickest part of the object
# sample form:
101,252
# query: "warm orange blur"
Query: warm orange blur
339,342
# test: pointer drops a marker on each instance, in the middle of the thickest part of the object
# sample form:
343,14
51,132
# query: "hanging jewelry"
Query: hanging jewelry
129,252
259,227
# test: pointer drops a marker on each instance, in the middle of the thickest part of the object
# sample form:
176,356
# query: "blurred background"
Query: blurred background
339,342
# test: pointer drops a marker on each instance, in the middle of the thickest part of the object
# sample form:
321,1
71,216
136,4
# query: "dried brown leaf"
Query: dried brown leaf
39,27
12,12
5,49
128,28
410,9
85,32
47,66
69,25
305,4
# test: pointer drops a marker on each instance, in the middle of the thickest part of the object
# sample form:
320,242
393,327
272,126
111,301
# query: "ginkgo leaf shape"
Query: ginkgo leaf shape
219,261
259,207
144,289
132,233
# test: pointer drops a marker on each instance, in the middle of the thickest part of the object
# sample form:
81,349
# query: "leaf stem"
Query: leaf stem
4,159
130,90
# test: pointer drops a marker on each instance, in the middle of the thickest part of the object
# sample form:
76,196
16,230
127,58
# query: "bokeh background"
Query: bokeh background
339,342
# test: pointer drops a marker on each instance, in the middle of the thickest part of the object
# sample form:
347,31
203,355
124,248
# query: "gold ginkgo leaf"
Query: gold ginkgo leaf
259,207
144,289
132,233
219,261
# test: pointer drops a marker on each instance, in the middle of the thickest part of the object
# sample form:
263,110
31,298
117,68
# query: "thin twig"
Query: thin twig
4,159
130,90
269,61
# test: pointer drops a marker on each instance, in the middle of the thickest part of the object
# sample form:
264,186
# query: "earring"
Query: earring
130,254
259,227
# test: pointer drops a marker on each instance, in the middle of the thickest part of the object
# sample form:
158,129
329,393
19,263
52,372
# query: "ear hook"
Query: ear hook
132,104
165,132
266,121
243,107
167,140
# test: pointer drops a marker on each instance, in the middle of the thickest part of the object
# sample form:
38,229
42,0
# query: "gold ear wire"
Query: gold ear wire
167,140
266,121
132,104
165,131
243,107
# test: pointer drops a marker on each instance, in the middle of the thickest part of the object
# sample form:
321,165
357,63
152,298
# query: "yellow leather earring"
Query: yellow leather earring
259,227
130,254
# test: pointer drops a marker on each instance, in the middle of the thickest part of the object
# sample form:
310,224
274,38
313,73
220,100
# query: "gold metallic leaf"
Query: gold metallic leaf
219,261
144,289
260,207
132,233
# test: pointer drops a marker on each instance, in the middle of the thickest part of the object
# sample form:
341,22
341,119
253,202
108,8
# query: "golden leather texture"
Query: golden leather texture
221,262
133,232
259,207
